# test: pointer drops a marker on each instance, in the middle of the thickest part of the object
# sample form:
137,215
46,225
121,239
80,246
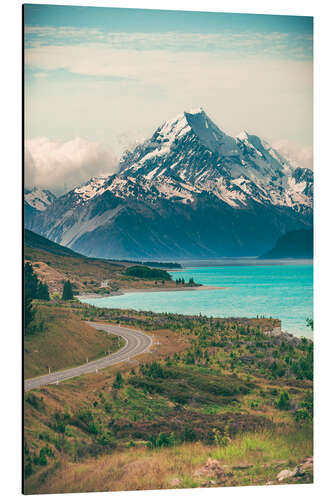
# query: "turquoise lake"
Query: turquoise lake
283,291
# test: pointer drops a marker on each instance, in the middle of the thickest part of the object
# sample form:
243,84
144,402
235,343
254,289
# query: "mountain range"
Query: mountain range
189,191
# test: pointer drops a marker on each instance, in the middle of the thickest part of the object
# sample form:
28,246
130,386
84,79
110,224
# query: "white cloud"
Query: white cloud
60,166
275,43
40,75
108,60
303,155
117,91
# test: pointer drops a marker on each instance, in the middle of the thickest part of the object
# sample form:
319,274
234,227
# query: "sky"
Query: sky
99,79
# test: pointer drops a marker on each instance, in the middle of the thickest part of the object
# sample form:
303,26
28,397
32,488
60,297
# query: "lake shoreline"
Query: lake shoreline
124,291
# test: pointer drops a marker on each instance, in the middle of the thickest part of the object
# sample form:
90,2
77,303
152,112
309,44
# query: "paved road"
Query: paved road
136,343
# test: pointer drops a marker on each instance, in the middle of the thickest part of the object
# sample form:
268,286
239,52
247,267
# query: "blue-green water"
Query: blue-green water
280,291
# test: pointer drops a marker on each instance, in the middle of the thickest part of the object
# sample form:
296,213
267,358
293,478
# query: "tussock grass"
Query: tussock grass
266,446
144,469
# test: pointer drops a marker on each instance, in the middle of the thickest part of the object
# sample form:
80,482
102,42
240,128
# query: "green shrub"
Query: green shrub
107,407
155,370
86,416
119,382
189,434
93,428
46,450
163,440
28,468
302,415
254,404
40,459
307,402
35,401
107,439
221,439
45,436
283,403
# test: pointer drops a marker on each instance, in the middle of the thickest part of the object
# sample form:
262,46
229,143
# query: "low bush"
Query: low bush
35,401
107,439
283,402
162,440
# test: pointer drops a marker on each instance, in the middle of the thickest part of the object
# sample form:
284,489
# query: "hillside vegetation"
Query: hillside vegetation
60,340
219,389
89,275
148,273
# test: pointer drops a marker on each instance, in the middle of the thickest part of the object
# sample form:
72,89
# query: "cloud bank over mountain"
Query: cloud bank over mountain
60,166
303,155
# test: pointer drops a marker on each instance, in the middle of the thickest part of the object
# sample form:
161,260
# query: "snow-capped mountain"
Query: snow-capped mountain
189,191
39,199
36,201
190,154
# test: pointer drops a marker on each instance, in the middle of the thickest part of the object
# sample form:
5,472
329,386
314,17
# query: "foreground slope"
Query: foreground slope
210,388
189,191
60,340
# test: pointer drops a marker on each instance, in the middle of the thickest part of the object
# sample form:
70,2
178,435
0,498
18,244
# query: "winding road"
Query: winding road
136,343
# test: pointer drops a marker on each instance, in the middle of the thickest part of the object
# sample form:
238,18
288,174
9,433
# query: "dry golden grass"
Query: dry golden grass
263,454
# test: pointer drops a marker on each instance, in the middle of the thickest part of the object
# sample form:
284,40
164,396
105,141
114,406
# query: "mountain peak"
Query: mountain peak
195,111
243,135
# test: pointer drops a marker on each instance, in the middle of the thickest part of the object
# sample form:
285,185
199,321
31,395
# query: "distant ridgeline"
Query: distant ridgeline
34,240
292,245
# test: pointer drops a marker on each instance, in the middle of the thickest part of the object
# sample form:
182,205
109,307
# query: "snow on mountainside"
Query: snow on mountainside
174,189
90,189
39,199
189,155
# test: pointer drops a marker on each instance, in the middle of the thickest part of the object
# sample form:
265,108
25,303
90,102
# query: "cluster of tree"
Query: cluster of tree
67,292
147,273
181,281
36,289
33,289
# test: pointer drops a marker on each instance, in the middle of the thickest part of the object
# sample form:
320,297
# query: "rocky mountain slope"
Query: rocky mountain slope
189,191
292,245
34,240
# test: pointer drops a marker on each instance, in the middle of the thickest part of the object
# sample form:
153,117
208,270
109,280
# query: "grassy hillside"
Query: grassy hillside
61,340
89,275
85,274
254,458
35,240
222,389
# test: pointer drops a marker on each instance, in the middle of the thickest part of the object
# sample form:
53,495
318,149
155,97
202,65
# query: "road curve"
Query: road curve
136,343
